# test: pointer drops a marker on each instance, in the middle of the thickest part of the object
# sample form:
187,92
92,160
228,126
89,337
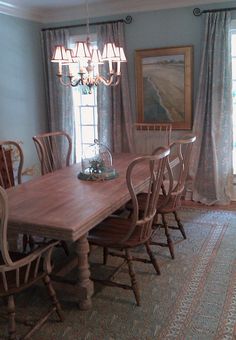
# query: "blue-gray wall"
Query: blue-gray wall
22,98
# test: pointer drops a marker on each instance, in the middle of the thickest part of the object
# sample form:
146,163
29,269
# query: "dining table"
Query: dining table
60,206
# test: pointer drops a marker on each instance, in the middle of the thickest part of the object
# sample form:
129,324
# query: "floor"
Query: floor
191,204
192,299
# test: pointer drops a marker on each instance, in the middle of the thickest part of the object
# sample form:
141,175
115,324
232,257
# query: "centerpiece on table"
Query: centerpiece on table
97,163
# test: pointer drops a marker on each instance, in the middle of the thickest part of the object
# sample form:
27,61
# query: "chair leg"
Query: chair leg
134,282
52,294
180,225
105,255
155,222
25,242
65,247
152,258
31,243
11,310
28,240
169,240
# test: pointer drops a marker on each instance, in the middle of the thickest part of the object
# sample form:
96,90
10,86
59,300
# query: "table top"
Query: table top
59,205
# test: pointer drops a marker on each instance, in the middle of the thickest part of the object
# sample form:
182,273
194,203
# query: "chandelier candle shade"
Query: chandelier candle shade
79,66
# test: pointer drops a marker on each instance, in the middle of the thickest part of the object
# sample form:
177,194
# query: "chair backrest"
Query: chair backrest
3,231
15,274
149,136
11,163
153,168
54,150
175,178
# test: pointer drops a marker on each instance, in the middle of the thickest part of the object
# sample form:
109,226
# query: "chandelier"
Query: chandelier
82,64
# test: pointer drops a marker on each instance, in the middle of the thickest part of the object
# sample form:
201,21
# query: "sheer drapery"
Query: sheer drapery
212,168
59,99
114,108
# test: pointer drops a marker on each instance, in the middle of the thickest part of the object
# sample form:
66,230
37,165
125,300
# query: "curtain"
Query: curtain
211,167
59,99
114,108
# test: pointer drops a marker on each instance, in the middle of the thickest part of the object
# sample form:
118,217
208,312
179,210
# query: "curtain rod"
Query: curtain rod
127,20
197,12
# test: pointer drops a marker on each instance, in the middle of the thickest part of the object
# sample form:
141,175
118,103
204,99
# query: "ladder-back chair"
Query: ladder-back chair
149,136
54,150
127,233
18,272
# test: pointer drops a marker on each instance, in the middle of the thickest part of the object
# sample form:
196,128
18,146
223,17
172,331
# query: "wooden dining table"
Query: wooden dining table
60,206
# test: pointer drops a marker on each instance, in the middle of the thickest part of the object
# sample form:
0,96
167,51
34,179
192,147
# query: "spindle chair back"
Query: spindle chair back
149,136
54,150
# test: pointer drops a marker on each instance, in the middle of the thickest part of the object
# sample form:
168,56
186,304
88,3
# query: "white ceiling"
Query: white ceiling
63,10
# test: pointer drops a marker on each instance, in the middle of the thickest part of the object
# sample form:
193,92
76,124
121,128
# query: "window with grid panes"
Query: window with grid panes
85,106
85,120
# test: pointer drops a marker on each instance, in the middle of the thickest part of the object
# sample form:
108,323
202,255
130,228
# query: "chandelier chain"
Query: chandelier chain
87,18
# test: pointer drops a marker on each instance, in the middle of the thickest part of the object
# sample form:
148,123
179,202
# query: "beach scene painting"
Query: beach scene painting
164,81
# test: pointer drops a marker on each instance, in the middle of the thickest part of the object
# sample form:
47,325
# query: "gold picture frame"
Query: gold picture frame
164,86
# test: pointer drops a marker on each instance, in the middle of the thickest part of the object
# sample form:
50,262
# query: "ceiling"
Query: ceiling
46,11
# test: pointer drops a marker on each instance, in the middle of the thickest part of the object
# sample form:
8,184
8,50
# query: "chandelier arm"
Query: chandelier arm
78,82
114,80
60,76
117,81
111,81
105,81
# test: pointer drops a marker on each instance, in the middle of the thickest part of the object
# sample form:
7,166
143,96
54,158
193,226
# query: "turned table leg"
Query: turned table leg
84,284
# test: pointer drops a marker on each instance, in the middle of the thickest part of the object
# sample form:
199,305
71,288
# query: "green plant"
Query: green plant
97,166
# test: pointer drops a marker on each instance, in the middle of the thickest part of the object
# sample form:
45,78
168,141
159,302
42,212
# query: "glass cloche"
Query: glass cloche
96,163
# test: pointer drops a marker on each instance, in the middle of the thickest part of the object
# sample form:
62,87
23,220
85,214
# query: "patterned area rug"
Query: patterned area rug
193,298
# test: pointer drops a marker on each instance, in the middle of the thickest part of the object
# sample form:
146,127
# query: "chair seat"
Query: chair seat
112,231
170,206
11,275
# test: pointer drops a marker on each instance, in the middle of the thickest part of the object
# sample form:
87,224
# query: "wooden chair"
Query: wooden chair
54,150
173,189
148,136
17,273
11,163
128,233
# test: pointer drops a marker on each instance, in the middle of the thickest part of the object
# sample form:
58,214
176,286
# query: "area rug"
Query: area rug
193,298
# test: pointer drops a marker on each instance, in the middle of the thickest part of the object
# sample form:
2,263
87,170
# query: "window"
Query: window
85,105
85,119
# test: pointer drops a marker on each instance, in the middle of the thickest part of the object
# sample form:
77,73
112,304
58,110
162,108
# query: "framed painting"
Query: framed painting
164,86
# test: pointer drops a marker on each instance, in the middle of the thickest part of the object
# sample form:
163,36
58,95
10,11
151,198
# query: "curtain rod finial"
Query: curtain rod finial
128,19
197,12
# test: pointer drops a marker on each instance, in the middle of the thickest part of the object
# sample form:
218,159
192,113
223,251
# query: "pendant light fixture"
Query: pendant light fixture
80,66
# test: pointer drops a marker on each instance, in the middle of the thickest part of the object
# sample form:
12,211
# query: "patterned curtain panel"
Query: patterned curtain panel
114,108
59,98
212,159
